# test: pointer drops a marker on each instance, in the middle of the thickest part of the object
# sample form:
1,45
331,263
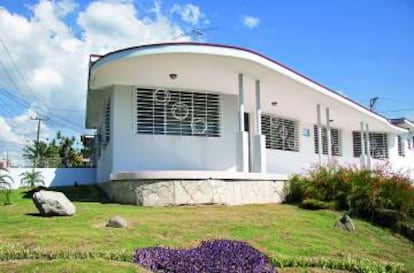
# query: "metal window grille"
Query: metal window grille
401,148
168,112
378,144
107,123
98,142
335,141
281,134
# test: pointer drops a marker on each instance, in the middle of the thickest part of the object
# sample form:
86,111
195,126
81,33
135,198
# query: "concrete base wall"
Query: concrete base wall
173,192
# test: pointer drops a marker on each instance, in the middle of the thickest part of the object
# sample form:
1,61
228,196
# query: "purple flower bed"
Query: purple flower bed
216,256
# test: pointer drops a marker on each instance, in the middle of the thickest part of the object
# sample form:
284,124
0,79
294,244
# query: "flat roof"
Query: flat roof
101,60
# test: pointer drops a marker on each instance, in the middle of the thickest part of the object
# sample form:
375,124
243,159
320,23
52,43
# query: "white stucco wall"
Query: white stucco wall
128,151
57,177
284,93
298,162
104,163
401,163
135,152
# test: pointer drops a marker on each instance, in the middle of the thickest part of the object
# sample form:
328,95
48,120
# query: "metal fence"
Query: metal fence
40,163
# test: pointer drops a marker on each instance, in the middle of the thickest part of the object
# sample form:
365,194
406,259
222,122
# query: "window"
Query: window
98,142
107,123
401,148
167,112
378,144
335,141
281,134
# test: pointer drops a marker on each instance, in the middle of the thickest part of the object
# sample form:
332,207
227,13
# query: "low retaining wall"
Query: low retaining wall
174,192
57,177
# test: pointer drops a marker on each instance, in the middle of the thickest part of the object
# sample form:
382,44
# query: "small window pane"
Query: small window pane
335,141
281,134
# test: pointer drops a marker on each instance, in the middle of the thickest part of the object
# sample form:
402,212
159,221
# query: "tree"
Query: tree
60,152
40,152
69,156
32,178
5,185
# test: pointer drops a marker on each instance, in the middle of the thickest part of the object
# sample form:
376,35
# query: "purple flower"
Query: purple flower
216,256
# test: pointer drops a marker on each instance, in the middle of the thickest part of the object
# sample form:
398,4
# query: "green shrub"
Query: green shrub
5,186
16,251
294,189
313,204
406,229
381,195
348,264
386,217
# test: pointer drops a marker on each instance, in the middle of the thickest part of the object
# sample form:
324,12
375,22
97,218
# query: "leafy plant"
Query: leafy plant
211,256
5,185
32,178
381,195
313,204
59,152
350,264
40,152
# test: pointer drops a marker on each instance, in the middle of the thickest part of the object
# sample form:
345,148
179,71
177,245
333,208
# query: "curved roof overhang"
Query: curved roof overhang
209,66
403,123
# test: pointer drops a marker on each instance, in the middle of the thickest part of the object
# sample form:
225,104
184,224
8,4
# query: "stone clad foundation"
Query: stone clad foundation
175,192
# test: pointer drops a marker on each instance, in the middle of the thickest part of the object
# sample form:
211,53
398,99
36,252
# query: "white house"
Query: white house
175,117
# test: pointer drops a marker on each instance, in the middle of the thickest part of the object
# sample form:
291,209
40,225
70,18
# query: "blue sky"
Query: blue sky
362,49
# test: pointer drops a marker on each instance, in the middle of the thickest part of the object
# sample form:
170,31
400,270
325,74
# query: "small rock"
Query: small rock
345,223
53,203
117,222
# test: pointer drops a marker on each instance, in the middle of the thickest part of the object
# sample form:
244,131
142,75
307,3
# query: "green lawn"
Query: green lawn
274,229
59,266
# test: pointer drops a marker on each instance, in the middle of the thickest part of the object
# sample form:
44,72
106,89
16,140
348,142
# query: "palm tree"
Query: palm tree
32,178
5,185
39,151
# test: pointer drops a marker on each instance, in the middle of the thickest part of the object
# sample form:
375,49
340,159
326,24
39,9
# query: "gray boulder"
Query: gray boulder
345,223
117,222
53,203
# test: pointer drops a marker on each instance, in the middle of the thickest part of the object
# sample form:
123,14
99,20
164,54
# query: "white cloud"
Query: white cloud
7,134
189,13
250,21
53,55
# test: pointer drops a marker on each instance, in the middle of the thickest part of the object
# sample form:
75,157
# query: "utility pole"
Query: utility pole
39,120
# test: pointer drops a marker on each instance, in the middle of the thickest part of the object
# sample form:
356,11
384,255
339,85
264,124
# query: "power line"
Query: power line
21,101
397,100
398,110
16,99
17,68
10,77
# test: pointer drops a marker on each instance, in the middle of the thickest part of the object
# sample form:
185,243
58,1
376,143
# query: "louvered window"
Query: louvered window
401,148
281,134
167,112
335,141
378,144
98,142
107,123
